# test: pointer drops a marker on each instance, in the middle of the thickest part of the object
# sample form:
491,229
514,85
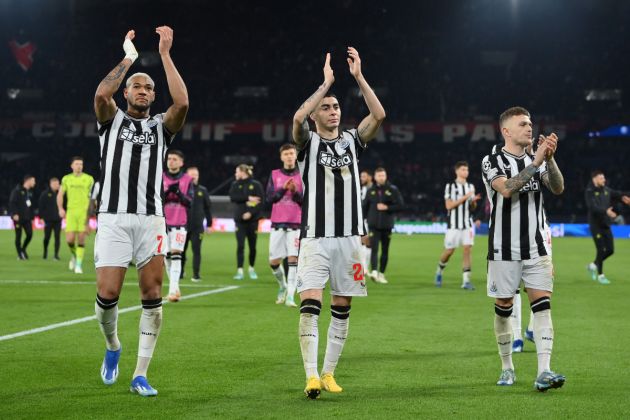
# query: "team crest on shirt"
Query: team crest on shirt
334,162
341,146
152,123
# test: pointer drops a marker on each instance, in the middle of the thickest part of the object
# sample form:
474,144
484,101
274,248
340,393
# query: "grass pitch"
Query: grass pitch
413,351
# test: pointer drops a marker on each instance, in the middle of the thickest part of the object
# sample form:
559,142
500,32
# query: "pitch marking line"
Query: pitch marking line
93,317
93,283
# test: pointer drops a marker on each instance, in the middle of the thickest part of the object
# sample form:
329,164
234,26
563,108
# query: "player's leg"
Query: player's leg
57,232
277,251
375,239
608,248
503,279
346,281
252,237
240,249
444,257
28,231
196,239
515,319
48,227
79,252
466,267
176,243
18,240
313,272
538,278
386,236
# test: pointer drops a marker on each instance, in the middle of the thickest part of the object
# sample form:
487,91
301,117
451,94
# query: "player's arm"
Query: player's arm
553,178
104,104
207,207
451,204
60,209
176,113
398,203
297,197
13,206
273,195
301,130
508,187
369,126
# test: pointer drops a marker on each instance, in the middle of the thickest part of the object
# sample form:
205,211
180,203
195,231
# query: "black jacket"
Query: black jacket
199,209
47,206
386,194
21,203
239,191
598,199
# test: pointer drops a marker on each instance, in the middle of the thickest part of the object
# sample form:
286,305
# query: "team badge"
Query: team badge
151,123
341,146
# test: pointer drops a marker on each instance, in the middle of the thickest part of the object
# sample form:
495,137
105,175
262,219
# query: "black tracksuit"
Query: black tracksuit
598,200
199,209
239,191
21,204
49,212
381,222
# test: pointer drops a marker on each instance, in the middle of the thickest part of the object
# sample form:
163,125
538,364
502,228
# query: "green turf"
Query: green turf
413,351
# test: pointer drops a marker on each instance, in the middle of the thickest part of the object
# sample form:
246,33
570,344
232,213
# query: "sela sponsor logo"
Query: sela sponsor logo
334,162
143,138
532,185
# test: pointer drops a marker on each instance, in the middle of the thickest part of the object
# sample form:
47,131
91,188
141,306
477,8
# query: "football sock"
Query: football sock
72,249
278,273
503,333
337,334
309,315
543,332
291,279
441,266
515,318
80,252
107,316
466,275
174,273
150,323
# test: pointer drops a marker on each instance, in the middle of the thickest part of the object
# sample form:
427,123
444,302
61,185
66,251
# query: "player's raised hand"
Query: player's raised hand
329,76
541,152
128,47
166,39
354,62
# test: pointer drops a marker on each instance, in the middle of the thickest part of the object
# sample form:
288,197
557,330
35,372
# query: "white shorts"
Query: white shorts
123,238
455,238
176,239
337,259
284,243
504,277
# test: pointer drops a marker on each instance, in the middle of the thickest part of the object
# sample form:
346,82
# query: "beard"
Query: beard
139,107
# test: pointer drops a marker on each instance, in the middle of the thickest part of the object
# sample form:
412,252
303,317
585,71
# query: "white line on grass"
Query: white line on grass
93,283
93,317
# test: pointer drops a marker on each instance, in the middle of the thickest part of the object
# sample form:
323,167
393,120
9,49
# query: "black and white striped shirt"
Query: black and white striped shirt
459,217
132,158
332,189
517,224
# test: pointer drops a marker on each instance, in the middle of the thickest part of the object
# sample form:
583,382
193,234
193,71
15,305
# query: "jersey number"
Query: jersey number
358,272
160,240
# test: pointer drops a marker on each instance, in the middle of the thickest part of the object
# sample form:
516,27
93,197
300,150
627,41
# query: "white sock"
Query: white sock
291,280
309,335
150,324
503,333
530,325
515,318
466,276
278,272
107,316
174,273
337,334
441,266
543,337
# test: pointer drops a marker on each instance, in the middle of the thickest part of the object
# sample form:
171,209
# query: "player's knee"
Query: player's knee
340,311
274,267
310,306
503,310
106,302
541,304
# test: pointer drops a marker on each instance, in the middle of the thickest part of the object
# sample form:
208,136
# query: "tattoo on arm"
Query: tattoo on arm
114,78
513,185
304,132
310,98
553,179
363,130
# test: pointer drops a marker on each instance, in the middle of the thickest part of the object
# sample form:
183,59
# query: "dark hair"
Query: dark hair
175,152
460,163
330,95
287,146
379,169
596,172
367,171
76,158
54,178
27,177
512,112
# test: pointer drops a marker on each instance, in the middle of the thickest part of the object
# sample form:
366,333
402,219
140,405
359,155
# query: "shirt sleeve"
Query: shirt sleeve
491,170
447,192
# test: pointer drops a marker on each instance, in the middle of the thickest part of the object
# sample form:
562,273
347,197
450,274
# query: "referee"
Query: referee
600,213
199,209
49,212
20,208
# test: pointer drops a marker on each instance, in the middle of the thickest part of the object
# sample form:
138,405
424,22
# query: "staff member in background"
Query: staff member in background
381,201
199,209
50,214
246,193
600,212
21,210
